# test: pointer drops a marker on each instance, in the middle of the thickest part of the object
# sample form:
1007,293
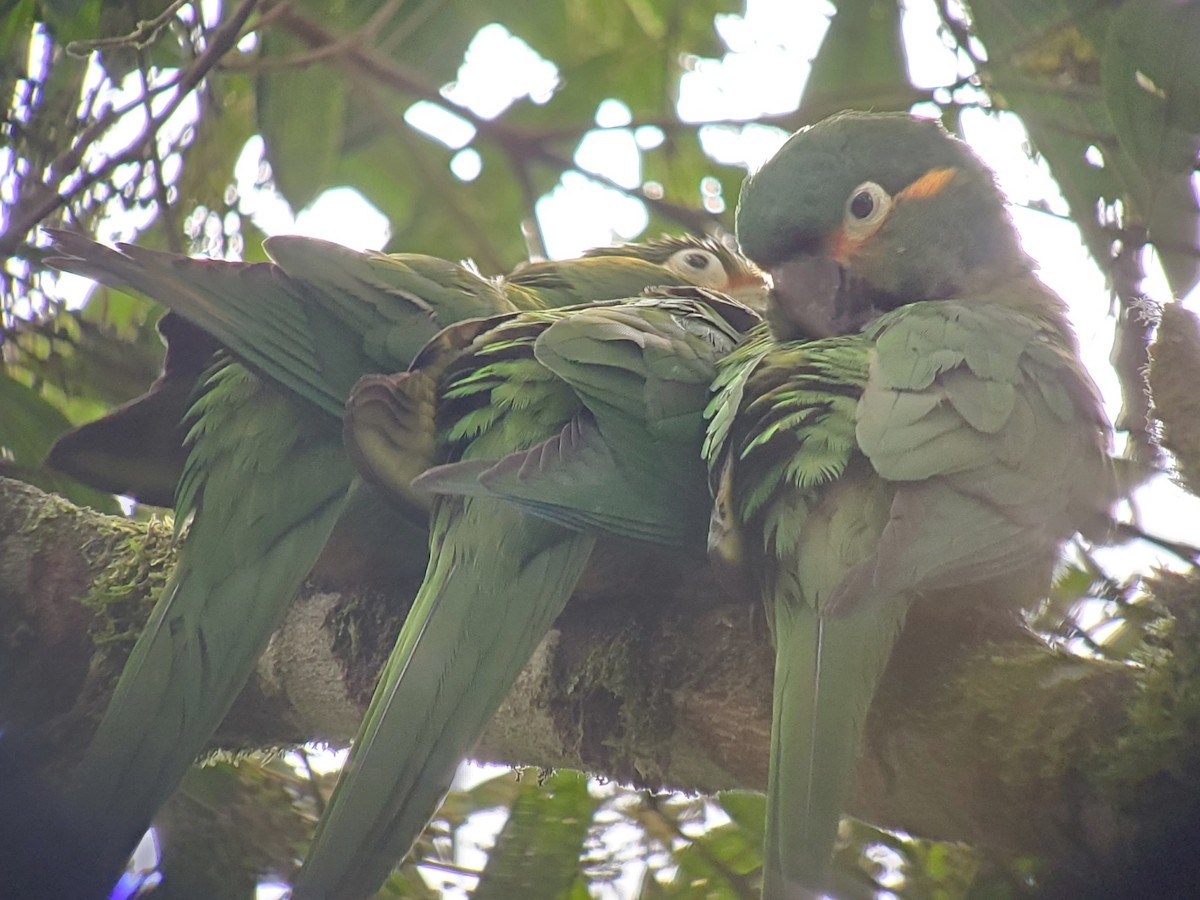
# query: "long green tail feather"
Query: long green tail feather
826,672
494,586
270,497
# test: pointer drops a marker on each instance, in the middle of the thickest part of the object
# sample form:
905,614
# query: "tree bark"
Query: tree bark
654,676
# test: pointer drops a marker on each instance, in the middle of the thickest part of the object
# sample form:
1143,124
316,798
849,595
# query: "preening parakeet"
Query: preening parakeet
940,441
138,449
576,414
267,476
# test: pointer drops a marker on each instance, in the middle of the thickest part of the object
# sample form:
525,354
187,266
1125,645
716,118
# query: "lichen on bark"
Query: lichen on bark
1173,376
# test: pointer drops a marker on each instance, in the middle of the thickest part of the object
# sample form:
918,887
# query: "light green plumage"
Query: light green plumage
527,406
267,475
264,483
945,450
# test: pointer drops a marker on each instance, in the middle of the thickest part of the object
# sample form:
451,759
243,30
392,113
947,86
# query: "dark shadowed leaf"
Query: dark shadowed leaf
28,425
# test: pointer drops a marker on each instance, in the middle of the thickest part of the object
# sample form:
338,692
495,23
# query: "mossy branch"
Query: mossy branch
981,733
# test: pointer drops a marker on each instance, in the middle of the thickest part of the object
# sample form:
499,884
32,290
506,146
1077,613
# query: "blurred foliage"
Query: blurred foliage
126,119
530,834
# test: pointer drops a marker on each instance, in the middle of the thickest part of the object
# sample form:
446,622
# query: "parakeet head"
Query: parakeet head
862,213
702,261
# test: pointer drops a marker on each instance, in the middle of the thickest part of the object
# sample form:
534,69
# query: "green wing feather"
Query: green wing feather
983,419
314,321
638,367
518,405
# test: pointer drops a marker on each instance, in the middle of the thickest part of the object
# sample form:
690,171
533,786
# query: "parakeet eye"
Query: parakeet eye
866,209
700,267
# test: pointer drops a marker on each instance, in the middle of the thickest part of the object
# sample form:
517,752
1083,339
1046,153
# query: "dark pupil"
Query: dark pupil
697,260
862,205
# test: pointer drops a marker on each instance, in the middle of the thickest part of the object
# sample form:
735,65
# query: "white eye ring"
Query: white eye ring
866,208
698,266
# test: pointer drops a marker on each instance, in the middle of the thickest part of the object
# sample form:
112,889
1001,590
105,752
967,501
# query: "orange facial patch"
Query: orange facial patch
840,246
744,280
928,184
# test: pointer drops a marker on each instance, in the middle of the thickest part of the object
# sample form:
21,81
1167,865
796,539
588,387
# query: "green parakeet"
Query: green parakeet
267,476
939,441
138,449
575,414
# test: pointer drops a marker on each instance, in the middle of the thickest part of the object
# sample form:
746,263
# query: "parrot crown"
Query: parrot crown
862,213
673,250
663,248
803,191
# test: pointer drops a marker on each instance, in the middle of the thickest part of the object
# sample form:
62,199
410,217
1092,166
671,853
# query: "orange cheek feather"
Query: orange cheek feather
738,282
841,247
928,184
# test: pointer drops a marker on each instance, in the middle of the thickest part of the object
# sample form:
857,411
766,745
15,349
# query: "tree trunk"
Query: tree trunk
653,676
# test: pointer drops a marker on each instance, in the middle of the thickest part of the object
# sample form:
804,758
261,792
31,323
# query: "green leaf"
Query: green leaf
28,425
225,125
300,112
537,851
501,790
72,20
861,63
748,811
1151,77
230,826
431,210
1069,69
16,25
98,356
713,858
680,165
1043,64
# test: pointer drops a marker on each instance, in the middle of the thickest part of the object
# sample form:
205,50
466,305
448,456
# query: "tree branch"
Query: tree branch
981,732
32,209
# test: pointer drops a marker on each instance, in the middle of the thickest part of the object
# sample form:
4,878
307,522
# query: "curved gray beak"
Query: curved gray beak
814,297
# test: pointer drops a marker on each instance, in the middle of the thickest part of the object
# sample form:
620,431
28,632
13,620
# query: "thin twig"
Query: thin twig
140,38
28,215
313,786
742,886
170,221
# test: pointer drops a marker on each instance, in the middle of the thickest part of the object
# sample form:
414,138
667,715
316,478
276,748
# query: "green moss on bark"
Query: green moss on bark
136,559
1152,771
